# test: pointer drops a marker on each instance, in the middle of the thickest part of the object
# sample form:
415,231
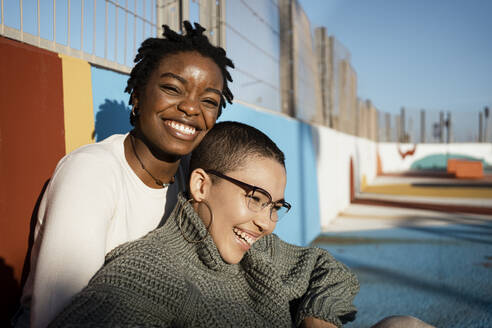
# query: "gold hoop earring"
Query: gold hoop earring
134,111
180,223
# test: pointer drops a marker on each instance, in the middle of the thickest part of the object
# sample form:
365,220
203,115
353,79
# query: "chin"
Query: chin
179,151
182,148
232,259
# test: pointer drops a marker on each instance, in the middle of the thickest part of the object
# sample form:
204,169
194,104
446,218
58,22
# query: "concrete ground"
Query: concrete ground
434,265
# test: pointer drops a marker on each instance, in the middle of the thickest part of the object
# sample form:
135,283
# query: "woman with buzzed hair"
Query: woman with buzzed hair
215,262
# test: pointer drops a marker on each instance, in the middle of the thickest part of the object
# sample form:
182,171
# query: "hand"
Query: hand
311,322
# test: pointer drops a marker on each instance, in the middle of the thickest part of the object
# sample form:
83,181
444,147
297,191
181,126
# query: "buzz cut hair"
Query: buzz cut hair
228,144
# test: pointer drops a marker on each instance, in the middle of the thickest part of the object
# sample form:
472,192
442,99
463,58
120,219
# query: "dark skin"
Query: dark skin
176,108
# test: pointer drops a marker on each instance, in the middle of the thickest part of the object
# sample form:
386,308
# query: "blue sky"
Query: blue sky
432,54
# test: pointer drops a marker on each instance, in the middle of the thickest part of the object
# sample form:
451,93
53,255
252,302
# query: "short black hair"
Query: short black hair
153,50
228,144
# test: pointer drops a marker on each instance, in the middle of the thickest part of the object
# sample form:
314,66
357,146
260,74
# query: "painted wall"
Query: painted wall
52,104
295,139
77,98
32,140
393,162
111,111
335,151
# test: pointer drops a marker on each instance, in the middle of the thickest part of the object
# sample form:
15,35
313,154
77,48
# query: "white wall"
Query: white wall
334,151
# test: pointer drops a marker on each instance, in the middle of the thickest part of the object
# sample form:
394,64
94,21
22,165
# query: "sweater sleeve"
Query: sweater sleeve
106,308
321,286
135,288
71,232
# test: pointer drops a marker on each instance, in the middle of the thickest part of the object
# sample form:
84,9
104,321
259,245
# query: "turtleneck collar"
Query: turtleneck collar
192,228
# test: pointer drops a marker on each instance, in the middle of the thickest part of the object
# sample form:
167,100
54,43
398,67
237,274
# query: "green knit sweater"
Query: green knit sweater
162,280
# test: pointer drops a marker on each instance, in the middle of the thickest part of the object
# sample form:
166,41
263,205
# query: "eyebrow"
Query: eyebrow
184,81
177,77
282,200
214,91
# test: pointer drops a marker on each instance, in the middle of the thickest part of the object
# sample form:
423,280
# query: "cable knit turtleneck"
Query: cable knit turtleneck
162,280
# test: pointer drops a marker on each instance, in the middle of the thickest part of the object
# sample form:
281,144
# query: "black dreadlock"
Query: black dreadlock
153,50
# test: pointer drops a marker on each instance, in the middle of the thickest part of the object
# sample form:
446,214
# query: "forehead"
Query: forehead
263,172
190,64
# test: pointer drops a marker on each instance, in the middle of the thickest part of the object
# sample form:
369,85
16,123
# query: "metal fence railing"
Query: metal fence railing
252,34
341,109
416,125
102,32
306,88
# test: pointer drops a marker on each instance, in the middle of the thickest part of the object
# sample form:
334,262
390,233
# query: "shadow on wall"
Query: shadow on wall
10,291
113,117
30,242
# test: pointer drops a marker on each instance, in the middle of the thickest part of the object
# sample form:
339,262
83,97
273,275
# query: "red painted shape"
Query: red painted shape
352,181
465,169
379,165
31,139
408,152
451,165
469,169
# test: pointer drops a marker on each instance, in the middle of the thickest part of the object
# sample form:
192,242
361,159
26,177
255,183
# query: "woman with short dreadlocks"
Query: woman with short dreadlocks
117,190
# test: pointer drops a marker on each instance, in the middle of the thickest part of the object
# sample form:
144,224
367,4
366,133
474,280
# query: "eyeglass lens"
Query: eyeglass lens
257,200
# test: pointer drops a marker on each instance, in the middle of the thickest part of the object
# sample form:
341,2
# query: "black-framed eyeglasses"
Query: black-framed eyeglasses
258,198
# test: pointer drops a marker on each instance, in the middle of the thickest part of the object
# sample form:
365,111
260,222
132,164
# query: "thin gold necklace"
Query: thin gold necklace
157,181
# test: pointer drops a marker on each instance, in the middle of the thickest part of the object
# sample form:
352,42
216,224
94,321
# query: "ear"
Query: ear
134,99
200,183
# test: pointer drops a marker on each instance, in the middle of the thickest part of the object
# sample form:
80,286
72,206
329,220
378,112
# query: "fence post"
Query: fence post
171,13
212,17
324,58
402,125
480,127
387,117
449,134
422,126
286,57
441,126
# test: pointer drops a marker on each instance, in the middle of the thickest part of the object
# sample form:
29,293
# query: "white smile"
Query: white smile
244,236
182,128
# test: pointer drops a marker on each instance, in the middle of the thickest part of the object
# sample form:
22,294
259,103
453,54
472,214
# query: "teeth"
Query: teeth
244,236
186,129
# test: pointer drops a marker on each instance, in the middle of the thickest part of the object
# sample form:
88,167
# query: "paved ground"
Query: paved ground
433,265
432,189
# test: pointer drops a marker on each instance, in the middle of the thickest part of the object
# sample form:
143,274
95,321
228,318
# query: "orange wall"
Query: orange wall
31,143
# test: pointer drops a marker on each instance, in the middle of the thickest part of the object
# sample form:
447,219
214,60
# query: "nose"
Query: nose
262,219
189,106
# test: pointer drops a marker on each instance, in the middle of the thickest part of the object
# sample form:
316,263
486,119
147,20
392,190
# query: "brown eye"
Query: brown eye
211,102
170,89
253,197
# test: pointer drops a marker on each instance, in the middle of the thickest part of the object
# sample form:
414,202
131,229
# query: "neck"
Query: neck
149,165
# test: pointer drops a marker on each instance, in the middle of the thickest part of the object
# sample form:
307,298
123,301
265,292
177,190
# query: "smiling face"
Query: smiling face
179,104
235,227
